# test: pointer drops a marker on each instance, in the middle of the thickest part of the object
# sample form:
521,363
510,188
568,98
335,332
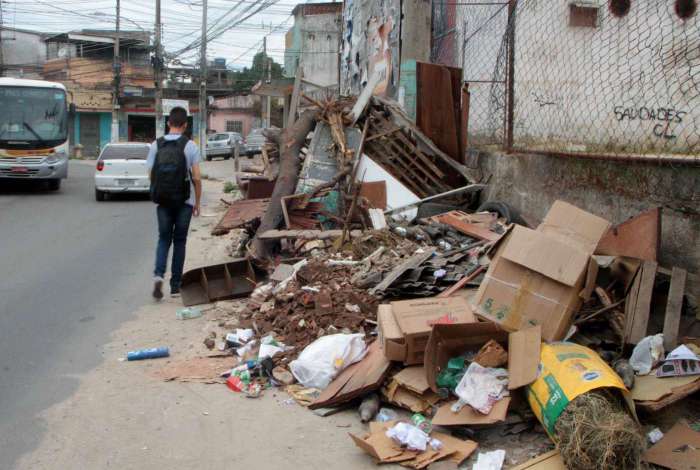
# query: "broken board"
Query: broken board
638,304
637,237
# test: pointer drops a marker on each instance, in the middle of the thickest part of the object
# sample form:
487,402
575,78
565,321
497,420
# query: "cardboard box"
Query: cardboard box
405,326
447,341
540,277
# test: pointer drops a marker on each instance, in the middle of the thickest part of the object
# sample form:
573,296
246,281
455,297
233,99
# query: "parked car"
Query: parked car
223,144
121,168
254,142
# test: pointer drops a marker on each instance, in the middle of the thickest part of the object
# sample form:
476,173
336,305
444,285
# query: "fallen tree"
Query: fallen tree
289,141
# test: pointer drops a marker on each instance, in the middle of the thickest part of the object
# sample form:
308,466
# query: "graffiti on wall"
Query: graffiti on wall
380,60
665,118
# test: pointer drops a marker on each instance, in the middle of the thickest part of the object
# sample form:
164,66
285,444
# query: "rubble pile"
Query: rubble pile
371,279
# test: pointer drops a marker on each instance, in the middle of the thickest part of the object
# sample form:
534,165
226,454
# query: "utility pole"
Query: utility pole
266,117
157,69
2,56
117,76
203,84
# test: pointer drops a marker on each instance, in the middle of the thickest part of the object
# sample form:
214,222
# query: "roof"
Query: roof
308,9
126,38
6,81
26,31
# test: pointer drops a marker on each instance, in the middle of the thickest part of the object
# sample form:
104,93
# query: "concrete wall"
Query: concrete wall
371,41
24,53
218,118
614,190
314,42
629,82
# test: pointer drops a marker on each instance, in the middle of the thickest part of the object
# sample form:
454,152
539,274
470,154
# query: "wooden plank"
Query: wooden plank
473,230
643,306
672,320
380,156
305,234
294,105
631,304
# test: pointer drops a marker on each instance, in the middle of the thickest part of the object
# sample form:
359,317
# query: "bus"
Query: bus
33,131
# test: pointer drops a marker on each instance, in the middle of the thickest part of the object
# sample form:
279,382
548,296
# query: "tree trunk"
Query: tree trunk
290,143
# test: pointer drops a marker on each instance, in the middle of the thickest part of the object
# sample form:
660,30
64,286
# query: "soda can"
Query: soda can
422,423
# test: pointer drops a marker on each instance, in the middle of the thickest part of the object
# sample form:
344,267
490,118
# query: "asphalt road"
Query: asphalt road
71,270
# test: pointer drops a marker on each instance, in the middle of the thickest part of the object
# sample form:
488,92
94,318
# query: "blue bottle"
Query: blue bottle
147,354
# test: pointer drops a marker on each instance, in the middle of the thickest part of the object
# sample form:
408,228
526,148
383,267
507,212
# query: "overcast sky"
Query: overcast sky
181,19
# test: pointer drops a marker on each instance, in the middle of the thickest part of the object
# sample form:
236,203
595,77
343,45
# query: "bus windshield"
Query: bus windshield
32,117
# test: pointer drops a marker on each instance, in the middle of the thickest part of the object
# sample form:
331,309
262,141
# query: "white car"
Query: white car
223,144
121,168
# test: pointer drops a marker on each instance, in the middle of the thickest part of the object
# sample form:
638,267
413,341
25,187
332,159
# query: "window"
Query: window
686,8
583,15
620,8
125,152
234,126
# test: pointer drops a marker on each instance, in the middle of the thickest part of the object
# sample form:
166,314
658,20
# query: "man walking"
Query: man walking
176,186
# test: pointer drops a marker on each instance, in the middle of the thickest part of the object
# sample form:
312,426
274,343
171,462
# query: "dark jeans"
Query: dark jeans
173,224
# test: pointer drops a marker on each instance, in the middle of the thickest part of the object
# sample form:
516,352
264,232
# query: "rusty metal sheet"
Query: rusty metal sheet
375,192
637,237
438,107
240,213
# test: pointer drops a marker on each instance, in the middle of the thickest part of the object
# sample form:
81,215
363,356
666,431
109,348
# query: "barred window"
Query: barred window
234,126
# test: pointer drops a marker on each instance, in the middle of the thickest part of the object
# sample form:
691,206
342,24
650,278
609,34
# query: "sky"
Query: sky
182,20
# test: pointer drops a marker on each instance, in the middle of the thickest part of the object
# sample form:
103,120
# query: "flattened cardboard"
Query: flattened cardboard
413,321
447,341
405,398
358,379
382,448
679,449
652,388
467,415
548,461
413,378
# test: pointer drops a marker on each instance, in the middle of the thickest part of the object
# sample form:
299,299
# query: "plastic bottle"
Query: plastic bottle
151,353
422,423
188,313
386,414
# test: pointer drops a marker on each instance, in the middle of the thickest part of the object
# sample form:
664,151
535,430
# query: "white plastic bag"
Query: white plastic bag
647,353
490,460
409,436
322,360
482,387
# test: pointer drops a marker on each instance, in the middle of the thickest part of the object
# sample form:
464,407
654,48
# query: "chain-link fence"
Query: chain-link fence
611,78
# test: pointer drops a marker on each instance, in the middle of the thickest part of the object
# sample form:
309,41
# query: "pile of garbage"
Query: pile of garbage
374,278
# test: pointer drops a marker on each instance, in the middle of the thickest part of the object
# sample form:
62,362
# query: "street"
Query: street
73,270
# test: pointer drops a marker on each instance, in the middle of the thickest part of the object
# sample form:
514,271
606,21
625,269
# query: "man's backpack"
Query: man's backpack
170,185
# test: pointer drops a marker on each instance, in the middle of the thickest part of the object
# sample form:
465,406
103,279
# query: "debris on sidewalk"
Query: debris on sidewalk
370,273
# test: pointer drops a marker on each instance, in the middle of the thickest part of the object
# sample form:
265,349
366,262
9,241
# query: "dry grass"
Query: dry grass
595,432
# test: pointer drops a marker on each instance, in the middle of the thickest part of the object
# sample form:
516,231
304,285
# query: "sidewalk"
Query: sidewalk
122,416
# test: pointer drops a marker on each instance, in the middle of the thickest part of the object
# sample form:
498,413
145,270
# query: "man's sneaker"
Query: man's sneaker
158,288
174,292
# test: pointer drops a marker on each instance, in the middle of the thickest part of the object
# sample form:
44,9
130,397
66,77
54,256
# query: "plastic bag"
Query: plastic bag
322,360
409,436
482,387
647,353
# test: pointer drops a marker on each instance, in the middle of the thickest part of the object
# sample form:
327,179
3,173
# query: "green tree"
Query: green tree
246,78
